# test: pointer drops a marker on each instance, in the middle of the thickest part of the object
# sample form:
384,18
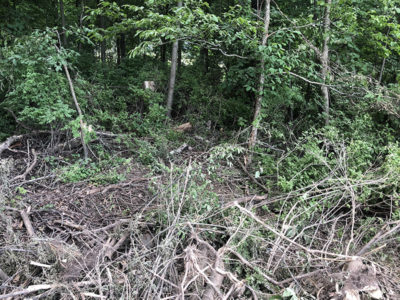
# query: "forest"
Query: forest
200,149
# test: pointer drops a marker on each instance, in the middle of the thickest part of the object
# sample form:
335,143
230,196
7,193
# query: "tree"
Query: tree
260,91
62,14
325,59
172,77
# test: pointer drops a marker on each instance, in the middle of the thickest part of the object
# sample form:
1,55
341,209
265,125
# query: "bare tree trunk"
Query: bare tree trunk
103,42
172,77
260,91
179,54
121,48
62,14
78,109
81,4
325,60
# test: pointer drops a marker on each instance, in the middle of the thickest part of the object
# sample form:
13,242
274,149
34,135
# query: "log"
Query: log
8,142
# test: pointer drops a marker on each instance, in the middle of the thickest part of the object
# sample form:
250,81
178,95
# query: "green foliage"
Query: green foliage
38,92
107,170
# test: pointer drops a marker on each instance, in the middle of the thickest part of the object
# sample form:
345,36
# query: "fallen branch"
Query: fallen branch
122,184
255,268
29,290
248,199
29,168
217,277
33,180
27,223
110,251
252,177
293,242
35,263
180,149
3,276
8,142
379,236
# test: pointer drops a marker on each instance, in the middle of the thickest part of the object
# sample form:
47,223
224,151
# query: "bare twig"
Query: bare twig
380,236
29,168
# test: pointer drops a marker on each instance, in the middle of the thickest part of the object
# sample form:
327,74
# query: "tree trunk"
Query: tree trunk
81,4
62,14
77,106
179,54
103,42
325,60
260,91
172,77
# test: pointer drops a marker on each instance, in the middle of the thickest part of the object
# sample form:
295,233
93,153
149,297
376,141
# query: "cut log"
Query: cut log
185,127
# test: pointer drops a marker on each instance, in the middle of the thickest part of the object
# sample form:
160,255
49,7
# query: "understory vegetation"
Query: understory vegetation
200,149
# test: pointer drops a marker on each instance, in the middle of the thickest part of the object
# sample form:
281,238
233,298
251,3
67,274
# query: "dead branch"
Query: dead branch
122,184
216,278
263,187
27,222
3,276
77,106
255,268
180,149
379,236
273,230
8,142
29,168
29,290
248,199
35,263
111,250
33,180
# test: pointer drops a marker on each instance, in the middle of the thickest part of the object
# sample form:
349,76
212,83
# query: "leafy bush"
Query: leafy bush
107,170
38,91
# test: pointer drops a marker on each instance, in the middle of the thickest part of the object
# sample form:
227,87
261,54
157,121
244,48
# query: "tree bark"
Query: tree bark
62,14
179,54
81,4
103,42
260,91
325,60
121,48
172,77
78,109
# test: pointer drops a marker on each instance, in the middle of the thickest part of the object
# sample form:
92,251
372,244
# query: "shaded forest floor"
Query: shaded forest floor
195,229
